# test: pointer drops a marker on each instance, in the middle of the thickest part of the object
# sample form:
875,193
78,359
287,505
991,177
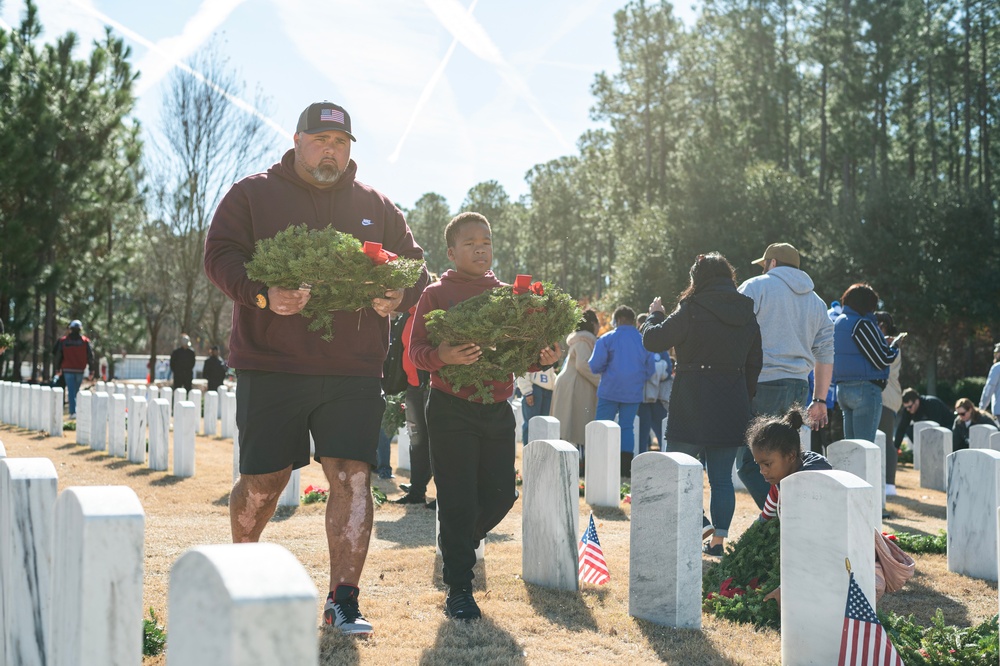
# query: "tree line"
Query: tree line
862,132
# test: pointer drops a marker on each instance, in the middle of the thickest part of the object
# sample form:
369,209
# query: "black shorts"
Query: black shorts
276,412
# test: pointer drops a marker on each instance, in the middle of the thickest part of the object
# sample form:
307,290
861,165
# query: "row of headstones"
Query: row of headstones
86,543
932,444
32,406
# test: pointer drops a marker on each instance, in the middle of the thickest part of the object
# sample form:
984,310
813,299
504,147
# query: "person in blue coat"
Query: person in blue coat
624,366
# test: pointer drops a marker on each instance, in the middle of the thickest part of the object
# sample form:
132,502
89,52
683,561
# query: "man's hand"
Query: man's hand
287,301
549,356
529,400
817,415
466,353
385,306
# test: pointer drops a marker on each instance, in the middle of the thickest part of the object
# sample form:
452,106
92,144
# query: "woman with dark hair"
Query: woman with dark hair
716,338
574,398
966,416
892,398
861,360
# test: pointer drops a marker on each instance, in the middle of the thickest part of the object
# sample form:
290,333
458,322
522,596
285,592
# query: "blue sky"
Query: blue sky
443,94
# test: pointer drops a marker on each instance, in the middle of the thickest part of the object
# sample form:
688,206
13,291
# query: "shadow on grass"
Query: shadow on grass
142,471
336,648
609,513
561,607
918,599
168,480
68,445
680,646
923,508
479,642
282,513
222,501
900,527
117,463
413,530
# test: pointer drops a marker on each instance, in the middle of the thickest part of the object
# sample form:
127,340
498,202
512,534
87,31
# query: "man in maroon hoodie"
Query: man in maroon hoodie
472,443
290,382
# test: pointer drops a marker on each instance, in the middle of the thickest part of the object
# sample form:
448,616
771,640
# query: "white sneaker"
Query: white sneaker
342,612
890,489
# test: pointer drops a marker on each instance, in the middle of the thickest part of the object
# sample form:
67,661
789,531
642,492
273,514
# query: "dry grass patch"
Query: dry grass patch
401,590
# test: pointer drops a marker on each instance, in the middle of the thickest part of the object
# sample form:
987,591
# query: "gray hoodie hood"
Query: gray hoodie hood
797,280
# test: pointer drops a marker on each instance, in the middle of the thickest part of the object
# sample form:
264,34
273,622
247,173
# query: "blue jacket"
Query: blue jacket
623,364
849,361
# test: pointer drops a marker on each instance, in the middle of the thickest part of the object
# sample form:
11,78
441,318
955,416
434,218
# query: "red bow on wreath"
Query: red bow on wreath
378,256
523,284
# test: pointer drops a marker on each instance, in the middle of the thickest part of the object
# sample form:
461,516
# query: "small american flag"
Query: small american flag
593,568
331,116
864,642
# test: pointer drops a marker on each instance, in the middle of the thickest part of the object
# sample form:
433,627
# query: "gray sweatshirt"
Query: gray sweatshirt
795,331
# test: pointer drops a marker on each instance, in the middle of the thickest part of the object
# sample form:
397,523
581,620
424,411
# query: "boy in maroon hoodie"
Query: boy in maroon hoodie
472,443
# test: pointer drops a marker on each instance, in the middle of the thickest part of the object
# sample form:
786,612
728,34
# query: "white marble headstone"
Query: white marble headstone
194,397
228,418
919,427
994,443
602,473
185,422
28,488
880,442
241,605
35,407
99,421
826,517
665,540
3,454
130,392
159,433
45,410
179,396
973,498
542,427
24,418
403,448
97,570
138,416
167,394
863,459
152,393
291,494
211,413
935,447
56,412
551,514
83,415
236,455
116,426
979,436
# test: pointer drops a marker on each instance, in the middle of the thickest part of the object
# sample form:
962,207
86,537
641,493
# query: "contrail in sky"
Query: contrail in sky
175,62
474,37
425,94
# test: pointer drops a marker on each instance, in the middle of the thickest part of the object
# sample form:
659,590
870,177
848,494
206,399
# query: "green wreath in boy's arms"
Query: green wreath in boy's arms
510,325
340,273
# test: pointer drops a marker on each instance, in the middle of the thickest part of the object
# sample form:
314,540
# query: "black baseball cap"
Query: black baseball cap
325,116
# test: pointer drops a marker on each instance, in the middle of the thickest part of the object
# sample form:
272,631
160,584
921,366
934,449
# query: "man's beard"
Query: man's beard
324,173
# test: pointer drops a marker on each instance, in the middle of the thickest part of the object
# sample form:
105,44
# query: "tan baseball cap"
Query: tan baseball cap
783,252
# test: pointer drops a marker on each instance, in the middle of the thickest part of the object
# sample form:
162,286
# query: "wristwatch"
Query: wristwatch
815,400
262,301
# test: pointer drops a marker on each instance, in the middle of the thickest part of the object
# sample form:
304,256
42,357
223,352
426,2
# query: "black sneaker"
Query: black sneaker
342,612
461,605
405,487
432,504
713,551
411,498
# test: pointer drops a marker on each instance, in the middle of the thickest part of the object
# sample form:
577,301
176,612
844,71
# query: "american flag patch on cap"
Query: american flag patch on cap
331,116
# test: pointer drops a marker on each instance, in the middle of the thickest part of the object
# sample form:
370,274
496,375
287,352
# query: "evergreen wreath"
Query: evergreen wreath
6,340
735,587
511,325
340,274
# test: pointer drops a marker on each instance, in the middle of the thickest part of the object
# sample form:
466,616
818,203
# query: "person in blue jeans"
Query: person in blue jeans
536,396
624,366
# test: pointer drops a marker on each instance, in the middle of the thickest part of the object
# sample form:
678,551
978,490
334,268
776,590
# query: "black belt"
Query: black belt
710,367
881,383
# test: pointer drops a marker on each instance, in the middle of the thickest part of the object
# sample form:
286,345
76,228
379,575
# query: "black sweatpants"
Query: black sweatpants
472,456
416,425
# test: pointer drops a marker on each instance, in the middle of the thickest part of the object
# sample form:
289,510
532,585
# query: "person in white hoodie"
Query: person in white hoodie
536,396
797,337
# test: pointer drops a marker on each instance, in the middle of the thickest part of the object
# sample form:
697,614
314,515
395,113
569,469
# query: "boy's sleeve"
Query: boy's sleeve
423,354
524,384
598,361
650,365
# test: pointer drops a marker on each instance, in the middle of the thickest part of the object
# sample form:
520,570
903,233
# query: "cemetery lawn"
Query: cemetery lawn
401,590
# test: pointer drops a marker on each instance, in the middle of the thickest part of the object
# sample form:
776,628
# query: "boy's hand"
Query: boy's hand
529,400
385,306
466,353
549,355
